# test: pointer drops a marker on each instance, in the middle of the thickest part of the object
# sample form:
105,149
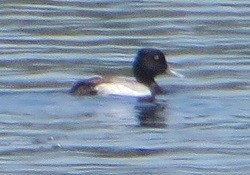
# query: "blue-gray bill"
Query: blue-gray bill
171,72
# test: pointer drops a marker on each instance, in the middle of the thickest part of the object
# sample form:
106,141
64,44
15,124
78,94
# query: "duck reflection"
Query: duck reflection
152,115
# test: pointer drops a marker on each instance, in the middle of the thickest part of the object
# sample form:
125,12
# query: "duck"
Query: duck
147,65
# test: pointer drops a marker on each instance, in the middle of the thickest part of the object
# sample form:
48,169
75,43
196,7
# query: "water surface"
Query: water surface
202,126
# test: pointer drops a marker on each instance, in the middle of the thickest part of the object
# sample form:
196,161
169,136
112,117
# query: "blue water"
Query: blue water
201,126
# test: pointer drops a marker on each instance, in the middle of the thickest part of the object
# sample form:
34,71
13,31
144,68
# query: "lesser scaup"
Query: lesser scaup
147,65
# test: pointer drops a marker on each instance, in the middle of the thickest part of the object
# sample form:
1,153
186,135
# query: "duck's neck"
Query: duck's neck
147,79
143,76
144,79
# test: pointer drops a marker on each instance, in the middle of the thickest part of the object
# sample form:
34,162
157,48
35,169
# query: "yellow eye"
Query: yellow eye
156,57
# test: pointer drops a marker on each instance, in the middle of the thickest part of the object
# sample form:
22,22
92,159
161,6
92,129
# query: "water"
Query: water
201,126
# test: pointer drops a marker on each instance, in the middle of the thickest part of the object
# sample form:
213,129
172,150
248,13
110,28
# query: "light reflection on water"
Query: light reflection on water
200,127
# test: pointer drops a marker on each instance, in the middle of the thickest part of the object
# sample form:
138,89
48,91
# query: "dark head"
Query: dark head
148,64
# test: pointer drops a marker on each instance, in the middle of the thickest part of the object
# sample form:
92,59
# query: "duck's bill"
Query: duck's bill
174,73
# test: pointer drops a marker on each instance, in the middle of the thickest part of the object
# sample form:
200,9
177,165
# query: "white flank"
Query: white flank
131,89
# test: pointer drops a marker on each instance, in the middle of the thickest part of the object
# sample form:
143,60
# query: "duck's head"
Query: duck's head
148,64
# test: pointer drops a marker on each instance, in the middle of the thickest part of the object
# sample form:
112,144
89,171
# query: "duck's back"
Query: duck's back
86,86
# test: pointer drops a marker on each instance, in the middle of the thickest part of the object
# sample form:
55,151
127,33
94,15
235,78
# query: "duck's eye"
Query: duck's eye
156,57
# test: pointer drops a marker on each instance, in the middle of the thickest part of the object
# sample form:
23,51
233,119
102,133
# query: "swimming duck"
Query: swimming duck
148,64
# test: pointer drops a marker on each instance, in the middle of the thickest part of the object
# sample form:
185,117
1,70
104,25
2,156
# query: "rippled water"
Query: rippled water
202,126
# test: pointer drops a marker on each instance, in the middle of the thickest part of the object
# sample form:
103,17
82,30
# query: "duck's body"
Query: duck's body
147,65
119,87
